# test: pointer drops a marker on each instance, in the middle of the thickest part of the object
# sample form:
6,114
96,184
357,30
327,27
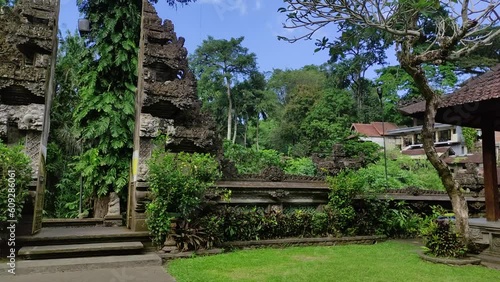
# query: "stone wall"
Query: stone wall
28,43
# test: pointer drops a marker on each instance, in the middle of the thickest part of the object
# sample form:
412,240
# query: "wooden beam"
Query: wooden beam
490,169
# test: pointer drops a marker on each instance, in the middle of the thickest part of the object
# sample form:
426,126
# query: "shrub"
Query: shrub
440,238
244,223
300,166
251,161
402,222
402,172
356,212
178,183
15,176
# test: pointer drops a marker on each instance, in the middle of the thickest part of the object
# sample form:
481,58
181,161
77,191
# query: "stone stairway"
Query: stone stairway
56,249
80,250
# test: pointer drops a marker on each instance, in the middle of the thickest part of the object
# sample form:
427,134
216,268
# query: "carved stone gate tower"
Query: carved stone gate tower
28,48
166,104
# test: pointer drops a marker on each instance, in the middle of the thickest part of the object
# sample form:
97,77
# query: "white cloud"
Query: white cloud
225,6
258,4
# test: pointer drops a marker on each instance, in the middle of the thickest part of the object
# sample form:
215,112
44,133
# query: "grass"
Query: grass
388,261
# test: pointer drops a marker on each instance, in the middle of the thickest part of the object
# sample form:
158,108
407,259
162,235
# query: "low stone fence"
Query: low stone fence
321,241
314,193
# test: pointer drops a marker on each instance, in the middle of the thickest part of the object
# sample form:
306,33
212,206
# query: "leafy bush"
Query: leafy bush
356,212
402,222
441,240
343,191
402,172
15,176
243,223
251,161
370,151
178,183
191,238
300,166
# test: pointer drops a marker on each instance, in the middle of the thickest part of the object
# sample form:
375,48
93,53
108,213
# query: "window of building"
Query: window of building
418,138
444,135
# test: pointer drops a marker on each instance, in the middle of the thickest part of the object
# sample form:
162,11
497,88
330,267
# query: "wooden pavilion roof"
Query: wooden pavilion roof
477,99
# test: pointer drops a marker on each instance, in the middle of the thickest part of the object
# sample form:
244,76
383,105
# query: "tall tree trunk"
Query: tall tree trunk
455,192
245,133
257,134
235,128
229,109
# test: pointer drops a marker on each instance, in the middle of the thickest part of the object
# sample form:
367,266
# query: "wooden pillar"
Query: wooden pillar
490,169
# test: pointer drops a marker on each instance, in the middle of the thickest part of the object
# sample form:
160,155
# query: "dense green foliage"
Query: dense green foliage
228,223
441,240
470,136
93,111
178,183
300,166
63,180
387,261
440,237
15,175
251,161
104,115
402,172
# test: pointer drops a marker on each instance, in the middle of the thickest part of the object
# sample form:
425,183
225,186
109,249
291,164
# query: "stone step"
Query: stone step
79,264
489,258
74,250
76,235
70,222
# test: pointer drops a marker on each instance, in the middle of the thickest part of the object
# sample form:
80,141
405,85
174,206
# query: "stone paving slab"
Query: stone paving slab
123,274
28,267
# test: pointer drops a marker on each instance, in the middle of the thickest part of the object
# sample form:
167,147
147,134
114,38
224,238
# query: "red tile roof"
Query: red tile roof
477,89
374,129
387,126
474,158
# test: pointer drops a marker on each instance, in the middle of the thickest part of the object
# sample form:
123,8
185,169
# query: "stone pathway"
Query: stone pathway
129,274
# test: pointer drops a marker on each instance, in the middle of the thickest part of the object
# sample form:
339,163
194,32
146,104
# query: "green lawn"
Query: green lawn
389,261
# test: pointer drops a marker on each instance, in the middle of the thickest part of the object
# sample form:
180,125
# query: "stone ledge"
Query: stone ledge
322,241
449,261
169,256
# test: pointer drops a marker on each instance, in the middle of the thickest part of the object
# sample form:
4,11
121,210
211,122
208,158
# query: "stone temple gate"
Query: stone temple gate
28,47
166,101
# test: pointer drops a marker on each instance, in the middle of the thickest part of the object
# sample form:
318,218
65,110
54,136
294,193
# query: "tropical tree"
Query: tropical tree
253,102
458,28
221,62
104,114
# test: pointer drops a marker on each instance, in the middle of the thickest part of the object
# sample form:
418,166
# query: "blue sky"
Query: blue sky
257,20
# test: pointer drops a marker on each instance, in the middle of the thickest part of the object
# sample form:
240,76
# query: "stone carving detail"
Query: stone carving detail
145,150
469,179
170,103
477,206
273,173
337,161
32,149
475,234
113,205
26,44
279,194
495,243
